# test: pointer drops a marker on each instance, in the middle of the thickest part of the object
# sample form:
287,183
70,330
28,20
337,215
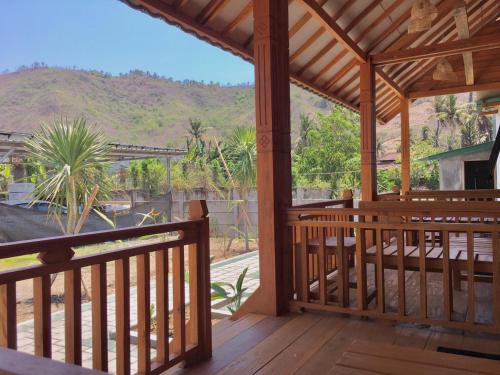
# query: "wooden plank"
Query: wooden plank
447,278
301,350
343,270
240,344
41,314
462,23
471,300
425,357
99,317
453,90
322,266
380,276
8,320
220,337
392,366
496,279
475,44
401,274
258,356
122,302
422,274
179,306
324,19
73,316
192,324
14,362
361,269
304,265
143,314
162,308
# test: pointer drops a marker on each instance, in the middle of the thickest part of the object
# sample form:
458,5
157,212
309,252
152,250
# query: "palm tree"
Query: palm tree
75,156
241,156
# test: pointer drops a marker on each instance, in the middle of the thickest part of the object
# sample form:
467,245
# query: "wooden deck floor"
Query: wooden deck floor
311,343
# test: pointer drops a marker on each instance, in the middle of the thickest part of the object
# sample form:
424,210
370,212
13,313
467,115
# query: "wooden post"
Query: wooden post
405,145
368,132
274,189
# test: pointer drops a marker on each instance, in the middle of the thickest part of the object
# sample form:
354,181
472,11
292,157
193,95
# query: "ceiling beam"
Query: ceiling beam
390,82
462,23
454,90
320,15
480,43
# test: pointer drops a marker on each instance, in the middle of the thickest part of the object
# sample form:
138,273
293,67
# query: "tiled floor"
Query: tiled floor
227,271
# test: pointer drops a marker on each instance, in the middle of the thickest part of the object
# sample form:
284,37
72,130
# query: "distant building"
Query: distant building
465,168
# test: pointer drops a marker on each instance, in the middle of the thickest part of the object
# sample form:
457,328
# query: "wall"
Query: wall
451,170
224,212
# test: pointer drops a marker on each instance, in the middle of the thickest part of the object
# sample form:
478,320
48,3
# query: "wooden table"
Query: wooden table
372,358
17,363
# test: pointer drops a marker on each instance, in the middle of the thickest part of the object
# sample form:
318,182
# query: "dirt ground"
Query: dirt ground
24,289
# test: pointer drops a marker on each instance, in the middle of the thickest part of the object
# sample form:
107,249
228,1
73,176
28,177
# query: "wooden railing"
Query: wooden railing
166,244
446,195
469,251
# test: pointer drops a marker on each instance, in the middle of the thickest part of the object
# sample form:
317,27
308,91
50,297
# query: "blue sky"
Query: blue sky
110,36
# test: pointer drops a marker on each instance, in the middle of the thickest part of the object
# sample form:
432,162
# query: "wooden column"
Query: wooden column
274,185
405,145
368,124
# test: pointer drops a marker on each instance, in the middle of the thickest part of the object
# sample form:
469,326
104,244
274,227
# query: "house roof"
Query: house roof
487,146
330,38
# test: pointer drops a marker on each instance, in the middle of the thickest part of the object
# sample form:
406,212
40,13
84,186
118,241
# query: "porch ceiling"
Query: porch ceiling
330,38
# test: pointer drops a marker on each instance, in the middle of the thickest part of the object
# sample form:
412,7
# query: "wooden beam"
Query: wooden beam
454,90
245,12
462,23
457,47
326,21
405,144
368,128
210,10
390,82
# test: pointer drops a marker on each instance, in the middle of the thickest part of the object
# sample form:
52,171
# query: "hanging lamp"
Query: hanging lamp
423,12
444,71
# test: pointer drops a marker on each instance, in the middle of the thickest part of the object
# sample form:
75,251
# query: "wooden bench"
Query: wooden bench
363,357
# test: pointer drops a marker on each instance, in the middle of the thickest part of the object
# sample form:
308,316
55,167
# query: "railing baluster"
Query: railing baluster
41,312
304,265
471,312
192,332
380,271
447,278
179,308
496,279
322,266
401,272
73,316
162,310
143,315
122,293
361,269
99,317
343,270
423,274
8,330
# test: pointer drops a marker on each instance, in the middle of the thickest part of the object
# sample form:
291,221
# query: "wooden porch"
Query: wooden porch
315,342
355,272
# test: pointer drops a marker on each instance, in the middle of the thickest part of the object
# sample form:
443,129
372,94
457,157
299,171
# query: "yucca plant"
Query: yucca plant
76,156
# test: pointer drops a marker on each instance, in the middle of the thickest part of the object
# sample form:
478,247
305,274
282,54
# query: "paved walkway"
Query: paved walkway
227,271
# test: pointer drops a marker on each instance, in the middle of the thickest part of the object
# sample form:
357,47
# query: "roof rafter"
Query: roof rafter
324,19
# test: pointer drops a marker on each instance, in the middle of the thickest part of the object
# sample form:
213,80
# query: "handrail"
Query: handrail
322,280
191,336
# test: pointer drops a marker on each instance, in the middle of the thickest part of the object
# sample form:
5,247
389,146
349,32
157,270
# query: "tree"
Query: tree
380,148
76,156
240,153
306,124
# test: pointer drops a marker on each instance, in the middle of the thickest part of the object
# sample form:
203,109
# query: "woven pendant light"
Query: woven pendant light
444,71
422,15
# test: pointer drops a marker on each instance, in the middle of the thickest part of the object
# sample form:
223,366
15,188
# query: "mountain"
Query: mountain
136,108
